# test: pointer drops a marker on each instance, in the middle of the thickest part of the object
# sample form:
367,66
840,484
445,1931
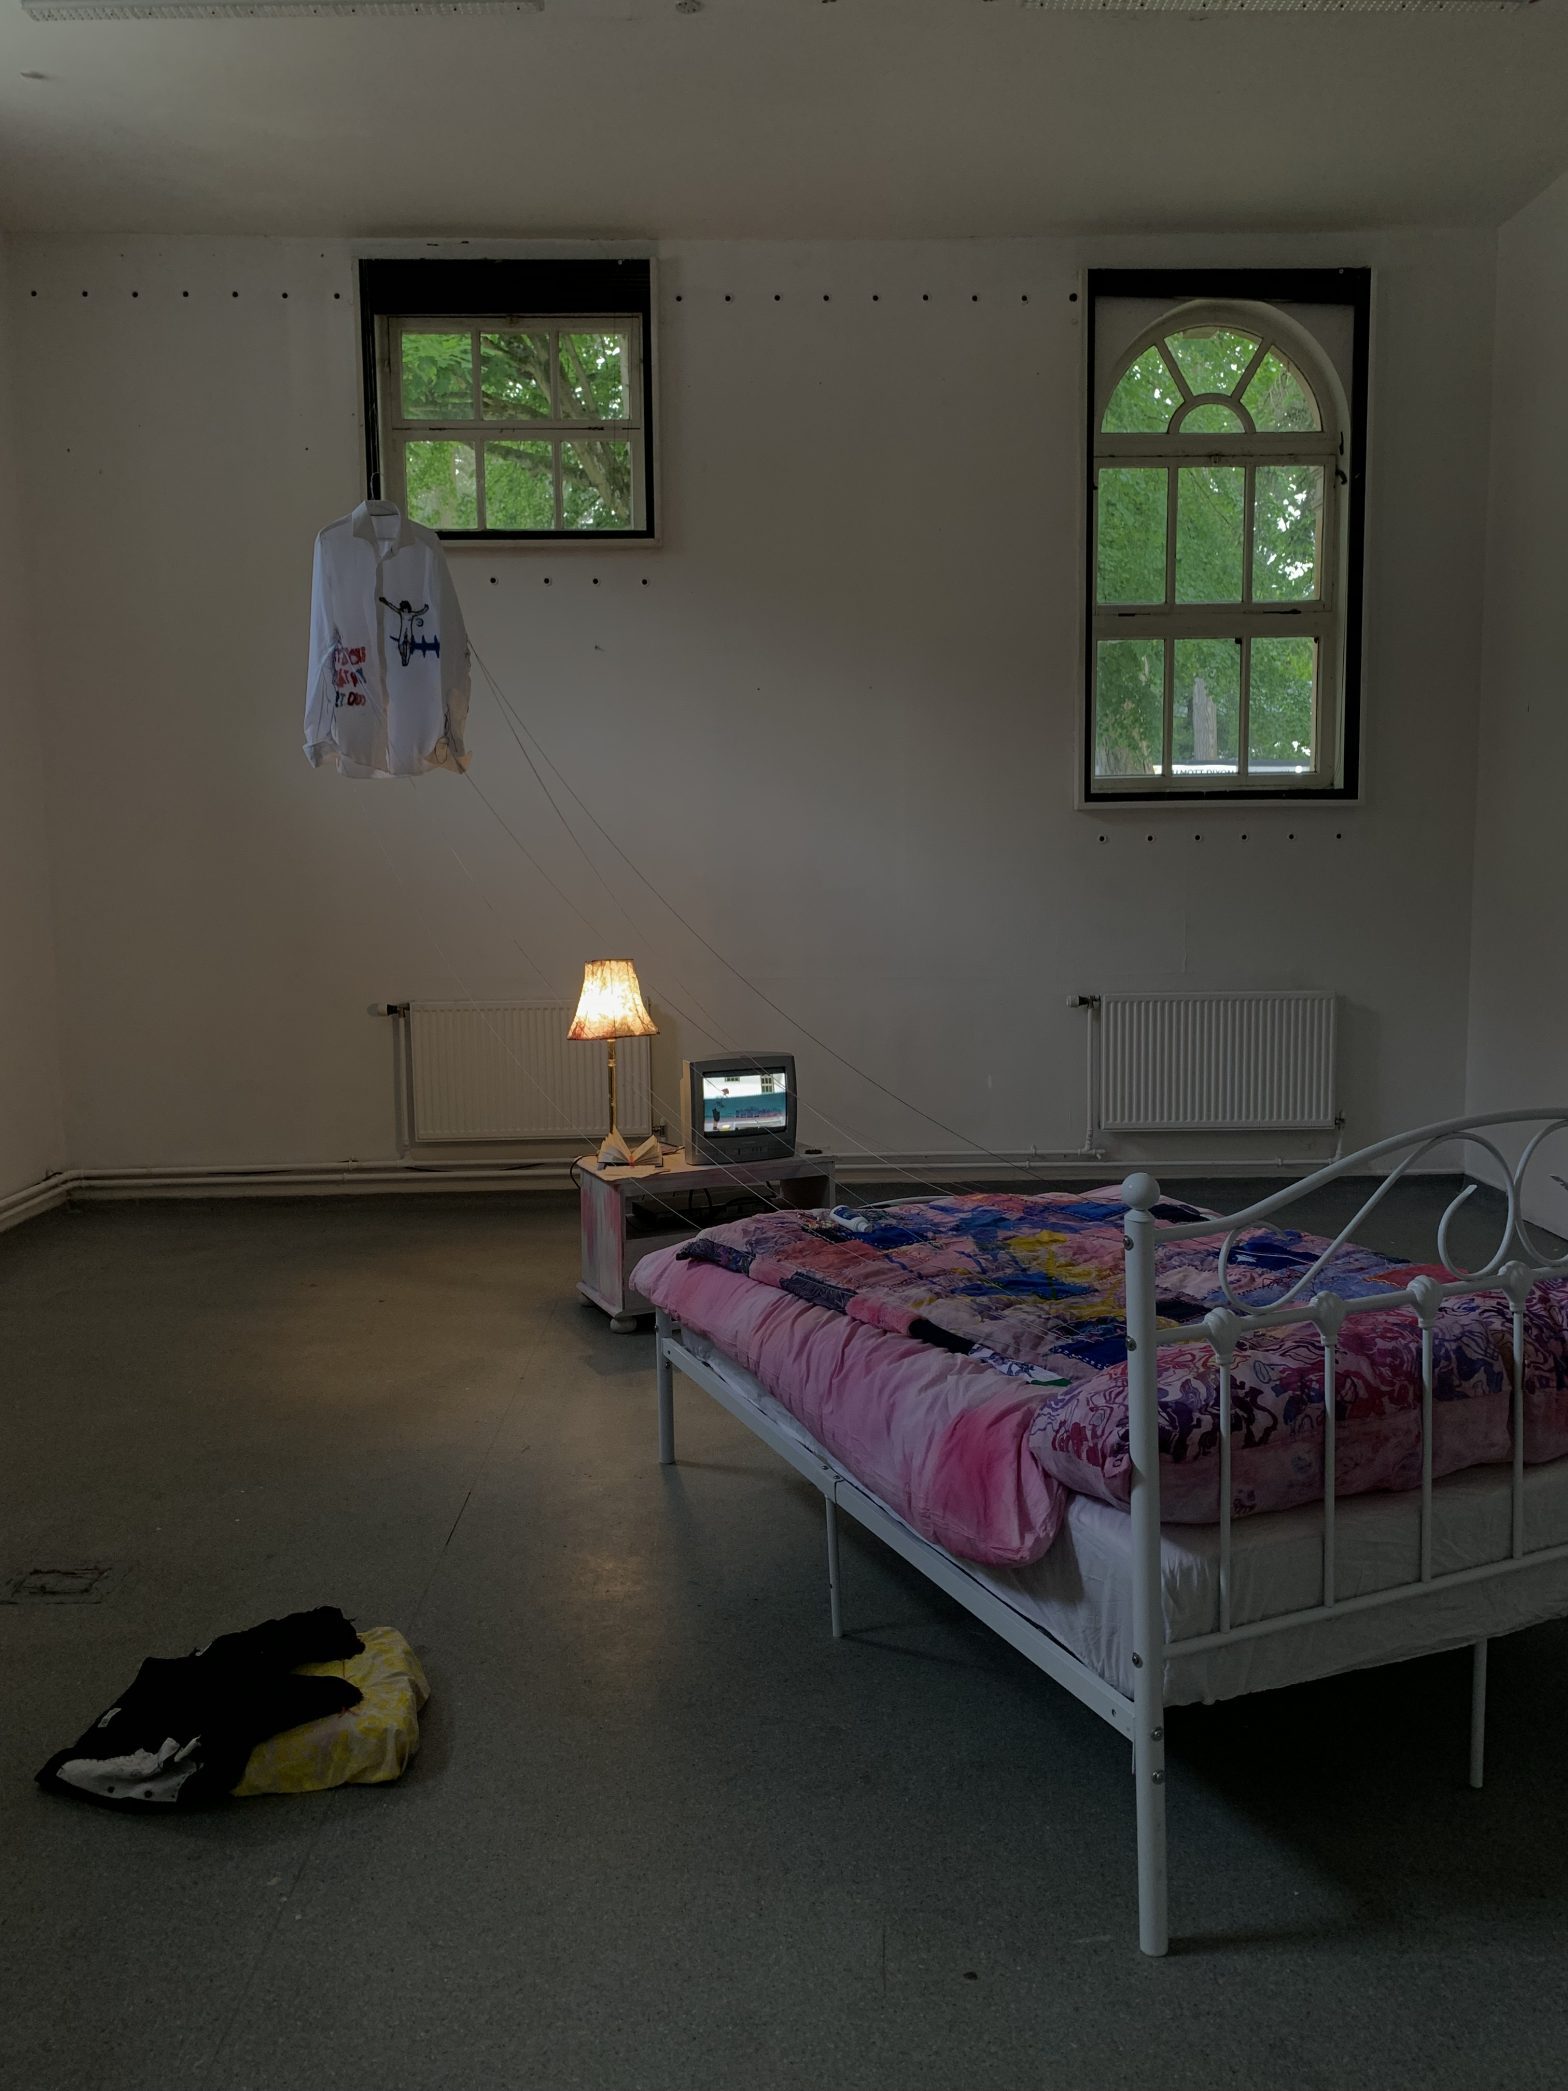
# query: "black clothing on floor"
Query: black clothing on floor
183,1731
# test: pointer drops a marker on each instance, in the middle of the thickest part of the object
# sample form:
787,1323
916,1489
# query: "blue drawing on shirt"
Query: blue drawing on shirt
409,621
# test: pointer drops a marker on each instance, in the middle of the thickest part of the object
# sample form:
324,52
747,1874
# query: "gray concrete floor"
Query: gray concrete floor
664,1831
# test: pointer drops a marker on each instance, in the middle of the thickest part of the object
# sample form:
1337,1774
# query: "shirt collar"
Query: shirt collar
363,525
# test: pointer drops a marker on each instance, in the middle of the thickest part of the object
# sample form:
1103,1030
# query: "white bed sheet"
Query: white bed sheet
1080,1591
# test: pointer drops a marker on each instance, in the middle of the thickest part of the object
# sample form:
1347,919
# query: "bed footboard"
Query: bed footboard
1517,1265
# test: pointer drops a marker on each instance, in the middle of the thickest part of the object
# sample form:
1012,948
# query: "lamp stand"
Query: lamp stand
613,1150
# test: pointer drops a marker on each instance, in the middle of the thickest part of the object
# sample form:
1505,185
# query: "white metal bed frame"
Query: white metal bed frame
1516,1265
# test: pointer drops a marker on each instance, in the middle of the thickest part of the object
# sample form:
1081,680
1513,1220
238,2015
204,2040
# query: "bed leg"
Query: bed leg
1148,1613
1149,1773
1477,1714
664,1379
835,1610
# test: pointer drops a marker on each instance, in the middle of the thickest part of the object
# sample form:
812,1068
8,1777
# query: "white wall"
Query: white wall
866,606
30,1131
1519,983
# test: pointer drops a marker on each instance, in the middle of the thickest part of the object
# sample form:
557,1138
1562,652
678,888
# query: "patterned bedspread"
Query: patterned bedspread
1033,1288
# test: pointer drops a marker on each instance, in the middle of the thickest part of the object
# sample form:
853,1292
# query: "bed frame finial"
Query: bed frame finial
1141,1191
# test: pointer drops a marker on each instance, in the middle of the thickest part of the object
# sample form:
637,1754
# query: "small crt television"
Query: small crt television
739,1109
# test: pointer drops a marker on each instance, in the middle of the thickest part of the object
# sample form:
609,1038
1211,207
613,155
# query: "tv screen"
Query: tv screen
746,1101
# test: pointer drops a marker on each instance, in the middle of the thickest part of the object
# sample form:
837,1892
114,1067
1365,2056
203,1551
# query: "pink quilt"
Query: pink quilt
942,1440
925,1301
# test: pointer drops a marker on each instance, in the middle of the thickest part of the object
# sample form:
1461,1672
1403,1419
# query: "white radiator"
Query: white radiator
507,1071
1229,1063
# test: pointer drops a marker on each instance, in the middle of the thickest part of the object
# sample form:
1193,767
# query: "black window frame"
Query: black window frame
435,289
1345,288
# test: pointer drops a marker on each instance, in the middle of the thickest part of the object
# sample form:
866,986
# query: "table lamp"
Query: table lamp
611,1007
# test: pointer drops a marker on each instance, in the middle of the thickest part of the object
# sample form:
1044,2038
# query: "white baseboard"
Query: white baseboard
317,1179
913,1173
33,1199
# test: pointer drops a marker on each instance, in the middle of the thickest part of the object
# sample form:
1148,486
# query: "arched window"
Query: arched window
1218,503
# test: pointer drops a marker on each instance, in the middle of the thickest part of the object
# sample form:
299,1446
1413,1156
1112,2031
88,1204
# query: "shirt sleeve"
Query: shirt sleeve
456,671
319,686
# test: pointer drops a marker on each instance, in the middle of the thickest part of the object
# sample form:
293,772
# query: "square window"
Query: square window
1129,715
1211,507
514,376
437,374
440,484
520,485
1206,708
1130,511
512,399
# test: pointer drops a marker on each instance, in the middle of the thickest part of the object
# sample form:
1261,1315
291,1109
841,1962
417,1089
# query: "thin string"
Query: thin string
742,1184
893,1095
710,1029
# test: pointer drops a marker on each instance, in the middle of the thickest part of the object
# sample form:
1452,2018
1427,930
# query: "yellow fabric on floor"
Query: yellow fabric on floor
366,1746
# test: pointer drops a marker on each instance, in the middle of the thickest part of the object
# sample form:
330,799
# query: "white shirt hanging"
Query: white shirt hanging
387,694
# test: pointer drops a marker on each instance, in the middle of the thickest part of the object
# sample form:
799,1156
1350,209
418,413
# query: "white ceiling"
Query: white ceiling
779,118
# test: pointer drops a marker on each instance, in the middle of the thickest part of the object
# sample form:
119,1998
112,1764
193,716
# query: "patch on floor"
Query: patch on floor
61,1586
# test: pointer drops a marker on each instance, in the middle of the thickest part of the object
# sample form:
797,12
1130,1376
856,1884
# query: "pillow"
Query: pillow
365,1745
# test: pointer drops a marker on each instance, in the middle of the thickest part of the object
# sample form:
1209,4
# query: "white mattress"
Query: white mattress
1080,1592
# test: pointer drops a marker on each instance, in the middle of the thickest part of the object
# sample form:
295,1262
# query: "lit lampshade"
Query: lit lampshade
611,1007
611,1004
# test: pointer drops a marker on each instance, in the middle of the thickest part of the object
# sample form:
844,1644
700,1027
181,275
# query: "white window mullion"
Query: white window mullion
1248,530
1244,709
1251,370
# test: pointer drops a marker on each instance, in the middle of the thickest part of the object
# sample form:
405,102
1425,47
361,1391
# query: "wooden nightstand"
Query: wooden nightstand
611,1246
